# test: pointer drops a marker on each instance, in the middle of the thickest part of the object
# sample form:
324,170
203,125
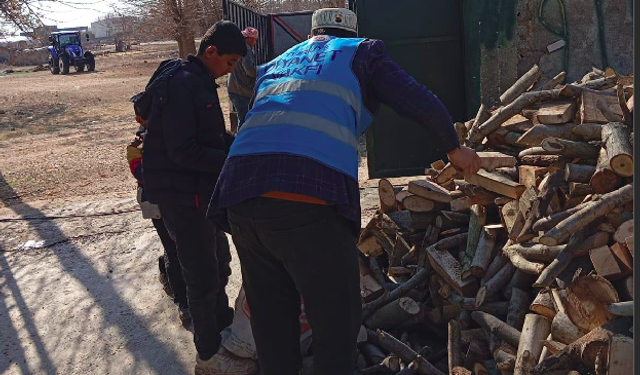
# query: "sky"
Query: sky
71,13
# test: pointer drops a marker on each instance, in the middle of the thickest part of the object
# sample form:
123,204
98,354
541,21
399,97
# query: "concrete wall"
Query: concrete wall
512,39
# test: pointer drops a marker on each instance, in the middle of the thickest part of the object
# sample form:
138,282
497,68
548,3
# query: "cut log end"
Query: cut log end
622,165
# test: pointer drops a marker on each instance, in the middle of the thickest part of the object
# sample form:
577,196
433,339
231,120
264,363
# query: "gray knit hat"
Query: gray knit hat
334,18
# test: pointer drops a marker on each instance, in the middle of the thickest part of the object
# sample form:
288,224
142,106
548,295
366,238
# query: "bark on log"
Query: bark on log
619,151
586,300
587,215
520,280
371,353
624,230
454,345
518,124
552,83
494,284
430,190
535,329
521,85
538,252
604,180
553,346
393,314
606,111
484,250
387,196
578,173
456,216
577,189
579,245
405,353
620,361
569,148
377,273
497,327
400,291
548,189
621,308
498,262
543,304
477,221
517,308
588,132
548,222
521,262
544,160
533,151
505,113
622,102
416,203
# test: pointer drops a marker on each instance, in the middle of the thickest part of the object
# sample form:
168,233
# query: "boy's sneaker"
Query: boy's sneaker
225,363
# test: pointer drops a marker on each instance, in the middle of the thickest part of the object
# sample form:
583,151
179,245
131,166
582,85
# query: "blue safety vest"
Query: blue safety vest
308,103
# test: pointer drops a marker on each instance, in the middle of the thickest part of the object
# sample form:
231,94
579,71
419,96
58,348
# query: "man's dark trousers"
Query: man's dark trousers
205,268
288,249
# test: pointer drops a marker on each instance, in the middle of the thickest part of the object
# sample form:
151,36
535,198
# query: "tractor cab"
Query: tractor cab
66,50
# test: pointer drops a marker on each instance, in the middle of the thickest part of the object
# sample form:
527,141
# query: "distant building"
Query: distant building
112,26
18,42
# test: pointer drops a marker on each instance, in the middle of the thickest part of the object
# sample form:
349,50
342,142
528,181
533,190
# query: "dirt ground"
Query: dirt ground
79,290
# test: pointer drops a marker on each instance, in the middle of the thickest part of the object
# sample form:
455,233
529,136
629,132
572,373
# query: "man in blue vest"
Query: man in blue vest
289,191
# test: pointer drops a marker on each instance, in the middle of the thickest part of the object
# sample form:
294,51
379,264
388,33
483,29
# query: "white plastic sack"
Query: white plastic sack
238,338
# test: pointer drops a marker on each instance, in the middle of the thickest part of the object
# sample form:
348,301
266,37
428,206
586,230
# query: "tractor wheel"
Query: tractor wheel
79,68
91,61
64,63
53,65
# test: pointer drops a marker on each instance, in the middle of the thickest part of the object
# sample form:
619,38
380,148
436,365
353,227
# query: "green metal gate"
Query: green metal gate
425,37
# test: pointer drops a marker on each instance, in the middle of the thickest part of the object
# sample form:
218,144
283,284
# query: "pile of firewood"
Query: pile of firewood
524,268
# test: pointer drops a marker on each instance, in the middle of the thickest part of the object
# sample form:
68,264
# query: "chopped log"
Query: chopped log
520,280
544,160
510,173
401,196
548,222
541,203
505,113
621,308
497,327
387,196
451,242
370,247
509,214
553,346
535,329
493,285
456,216
604,180
600,83
430,190
517,308
496,183
484,250
377,273
518,124
551,83
568,148
589,111
578,173
370,288
608,112
620,359
619,151
521,263
583,351
577,189
438,164
557,112
406,354
521,85
498,262
451,271
531,175
444,224
588,131
488,160
543,304
622,256
538,252
400,249
563,329
587,215
625,230
630,104
622,102
482,115
579,267
398,292
393,314
585,301
476,223
629,242
462,204
411,221
454,345
416,203
480,369
505,361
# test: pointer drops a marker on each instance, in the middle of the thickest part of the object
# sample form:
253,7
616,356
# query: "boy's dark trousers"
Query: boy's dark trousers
206,271
288,249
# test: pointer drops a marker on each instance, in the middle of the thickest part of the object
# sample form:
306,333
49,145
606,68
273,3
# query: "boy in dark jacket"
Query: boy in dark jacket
185,149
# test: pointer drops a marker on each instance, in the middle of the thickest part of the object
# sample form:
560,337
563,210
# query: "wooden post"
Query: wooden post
535,329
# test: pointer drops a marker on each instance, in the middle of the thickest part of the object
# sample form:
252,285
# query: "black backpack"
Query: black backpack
142,100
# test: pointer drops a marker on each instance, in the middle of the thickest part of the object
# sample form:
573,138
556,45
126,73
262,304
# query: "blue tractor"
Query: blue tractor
66,50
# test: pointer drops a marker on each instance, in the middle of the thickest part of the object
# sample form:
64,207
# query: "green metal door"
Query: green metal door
425,37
